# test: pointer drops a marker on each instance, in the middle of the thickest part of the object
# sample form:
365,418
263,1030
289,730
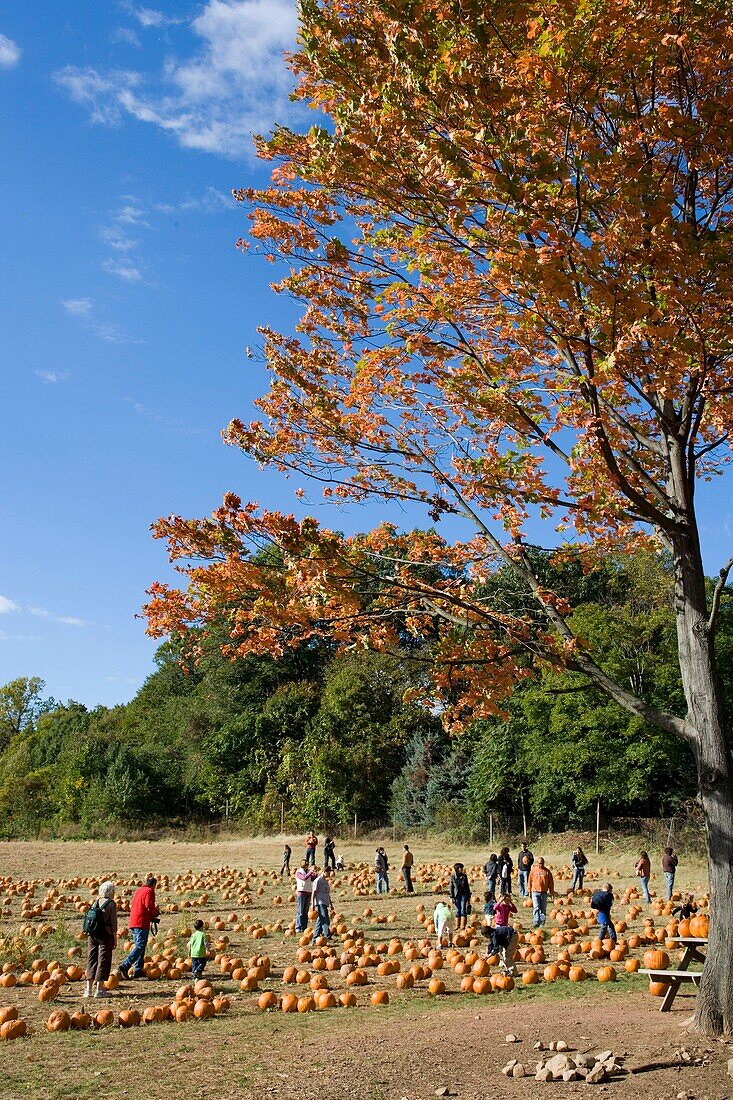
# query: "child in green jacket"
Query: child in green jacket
198,949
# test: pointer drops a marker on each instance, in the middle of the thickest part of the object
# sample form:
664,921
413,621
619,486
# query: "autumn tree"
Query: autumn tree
511,235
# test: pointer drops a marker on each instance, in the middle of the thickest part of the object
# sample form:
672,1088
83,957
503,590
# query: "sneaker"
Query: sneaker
102,995
124,974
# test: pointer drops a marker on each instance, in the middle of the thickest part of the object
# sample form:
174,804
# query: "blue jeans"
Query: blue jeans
303,904
461,905
539,906
197,967
644,880
310,856
608,930
136,958
522,877
578,876
382,883
323,927
669,875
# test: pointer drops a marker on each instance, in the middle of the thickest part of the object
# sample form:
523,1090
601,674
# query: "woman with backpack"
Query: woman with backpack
506,866
460,894
100,925
580,862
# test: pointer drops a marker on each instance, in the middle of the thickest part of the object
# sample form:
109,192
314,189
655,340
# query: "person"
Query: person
504,908
443,923
322,904
304,877
285,869
460,894
491,870
503,939
489,903
602,901
311,843
341,862
102,939
525,859
198,949
506,866
580,862
669,866
381,867
144,914
406,869
329,854
686,909
644,869
540,883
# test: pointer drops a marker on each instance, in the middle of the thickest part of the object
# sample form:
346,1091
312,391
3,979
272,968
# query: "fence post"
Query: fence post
394,825
491,828
598,825
282,817
524,818
354,826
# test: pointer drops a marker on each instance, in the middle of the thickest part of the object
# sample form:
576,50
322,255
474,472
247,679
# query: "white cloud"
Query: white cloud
51,376
9,52
236,84
123,269
78,307
6,606
125,35
212,201
116,238
100,93
65,620
83,309
149,17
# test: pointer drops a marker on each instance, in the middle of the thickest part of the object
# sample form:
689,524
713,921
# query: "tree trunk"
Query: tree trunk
714,1009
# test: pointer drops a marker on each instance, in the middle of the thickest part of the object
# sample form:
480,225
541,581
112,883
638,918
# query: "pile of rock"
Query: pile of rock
561,1066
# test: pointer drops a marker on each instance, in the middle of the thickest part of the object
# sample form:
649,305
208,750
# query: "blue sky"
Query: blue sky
125,311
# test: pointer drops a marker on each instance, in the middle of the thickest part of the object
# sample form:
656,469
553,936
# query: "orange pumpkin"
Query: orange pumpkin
13,1029
347,999
80,1021
380,997
606,974
436,987
656,959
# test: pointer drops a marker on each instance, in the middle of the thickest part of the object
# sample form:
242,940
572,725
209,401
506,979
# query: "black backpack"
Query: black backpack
94,923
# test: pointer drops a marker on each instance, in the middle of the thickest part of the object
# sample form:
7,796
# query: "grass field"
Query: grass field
408,1048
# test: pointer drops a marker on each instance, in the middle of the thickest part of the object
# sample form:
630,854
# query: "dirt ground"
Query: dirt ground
407,1050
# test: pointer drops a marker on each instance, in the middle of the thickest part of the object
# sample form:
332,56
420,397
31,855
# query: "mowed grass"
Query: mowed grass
246,1052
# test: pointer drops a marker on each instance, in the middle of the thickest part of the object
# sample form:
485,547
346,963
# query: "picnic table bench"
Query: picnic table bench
693,952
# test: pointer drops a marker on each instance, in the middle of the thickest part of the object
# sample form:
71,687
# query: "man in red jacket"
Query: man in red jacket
143,913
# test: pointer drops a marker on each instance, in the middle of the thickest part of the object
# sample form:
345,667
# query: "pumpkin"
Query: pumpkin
551,973
104,1018
13,1029
347,999
289,1003
380,997
129,1017
325,999
8,1012
658,989
203,1009
80,1021
306,1004
656,959
182,1013
700,926
606,974
577,974
221,1004
530,977
631,966
58,1021
436,987
504,983
482,986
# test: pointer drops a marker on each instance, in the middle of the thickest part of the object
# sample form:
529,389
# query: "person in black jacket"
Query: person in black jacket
602,901
580,862
491,870
525,859
329,854
460,894
506,866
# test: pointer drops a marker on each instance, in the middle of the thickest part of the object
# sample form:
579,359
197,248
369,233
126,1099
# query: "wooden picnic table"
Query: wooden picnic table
694,951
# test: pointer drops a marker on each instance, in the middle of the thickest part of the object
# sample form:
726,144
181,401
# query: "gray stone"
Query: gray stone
544,1074
561,1045
511,1039
559,1063
596,1076
584,1061
539,1045
507,1069
570,1075
604,1056
519,1070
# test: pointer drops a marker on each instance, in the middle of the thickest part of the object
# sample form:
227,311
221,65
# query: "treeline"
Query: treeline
323,737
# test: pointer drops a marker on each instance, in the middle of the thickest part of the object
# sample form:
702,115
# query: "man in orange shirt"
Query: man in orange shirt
540,884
